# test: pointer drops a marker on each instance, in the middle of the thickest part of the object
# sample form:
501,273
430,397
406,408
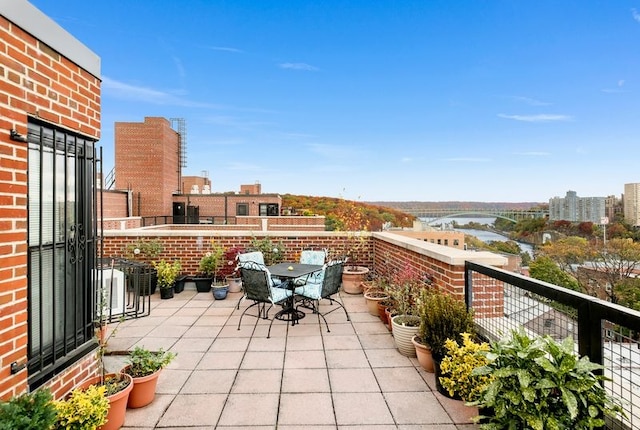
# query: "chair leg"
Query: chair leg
245,311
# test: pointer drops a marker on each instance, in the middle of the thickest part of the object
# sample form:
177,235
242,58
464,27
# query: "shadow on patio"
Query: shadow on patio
300,378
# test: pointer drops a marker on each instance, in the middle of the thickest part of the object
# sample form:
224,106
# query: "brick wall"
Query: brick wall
115,204
189,247
37,81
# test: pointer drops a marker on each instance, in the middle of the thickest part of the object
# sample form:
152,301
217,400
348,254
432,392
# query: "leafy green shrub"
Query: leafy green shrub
539,383
84,410
29,411
273,252
167,272
442,317
143,362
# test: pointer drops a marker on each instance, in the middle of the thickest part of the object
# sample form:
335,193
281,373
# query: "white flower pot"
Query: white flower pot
403,333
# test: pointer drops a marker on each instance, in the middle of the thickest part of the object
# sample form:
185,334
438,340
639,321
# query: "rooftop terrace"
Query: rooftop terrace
301,377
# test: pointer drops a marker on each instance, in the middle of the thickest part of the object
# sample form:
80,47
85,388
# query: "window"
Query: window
242,209
269,209
61,249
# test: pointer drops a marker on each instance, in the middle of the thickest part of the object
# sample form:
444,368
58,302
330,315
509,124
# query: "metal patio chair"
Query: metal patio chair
256,281
311,293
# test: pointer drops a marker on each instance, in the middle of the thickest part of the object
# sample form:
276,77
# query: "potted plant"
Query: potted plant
374,295
83,409
209,265
144,251
273,252
167,275
144,367
404,287
442,317
29,411
229,269
117,387
539,383
456,368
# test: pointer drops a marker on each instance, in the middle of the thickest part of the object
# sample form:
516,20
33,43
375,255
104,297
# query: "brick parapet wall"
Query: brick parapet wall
35,81
381,252
190,246
445,264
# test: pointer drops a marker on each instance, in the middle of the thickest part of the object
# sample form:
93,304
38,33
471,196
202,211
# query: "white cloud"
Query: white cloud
406,159
635,14
619,89
468,159
298,66
534,153
224,48
544,117
530,101
121,90
333,151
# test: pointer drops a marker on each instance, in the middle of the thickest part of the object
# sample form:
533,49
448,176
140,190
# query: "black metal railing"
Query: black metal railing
148,221
607,333
127,289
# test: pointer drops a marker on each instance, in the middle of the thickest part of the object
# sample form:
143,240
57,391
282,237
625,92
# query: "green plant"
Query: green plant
167,272
143,362
442,317
143,248
539,383
84,410
273,252
28,411
211,262
458,364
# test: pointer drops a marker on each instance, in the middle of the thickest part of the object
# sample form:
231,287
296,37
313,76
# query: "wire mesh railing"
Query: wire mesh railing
607,333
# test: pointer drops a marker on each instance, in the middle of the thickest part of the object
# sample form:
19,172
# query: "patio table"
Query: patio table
289,272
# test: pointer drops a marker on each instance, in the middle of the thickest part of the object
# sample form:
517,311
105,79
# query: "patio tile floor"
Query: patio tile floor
303,377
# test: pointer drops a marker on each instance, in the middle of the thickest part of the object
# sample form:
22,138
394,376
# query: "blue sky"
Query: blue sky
379,100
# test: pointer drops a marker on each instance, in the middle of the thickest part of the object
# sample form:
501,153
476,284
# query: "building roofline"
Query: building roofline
35,22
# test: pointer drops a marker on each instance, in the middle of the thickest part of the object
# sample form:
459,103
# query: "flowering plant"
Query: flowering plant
404,287
211,261
273,252
230,265
457,368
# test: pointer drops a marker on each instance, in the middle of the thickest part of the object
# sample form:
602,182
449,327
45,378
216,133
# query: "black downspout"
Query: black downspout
225,209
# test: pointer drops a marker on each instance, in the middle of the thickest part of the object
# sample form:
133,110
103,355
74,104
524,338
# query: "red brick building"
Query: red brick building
147,156
49,123
148,164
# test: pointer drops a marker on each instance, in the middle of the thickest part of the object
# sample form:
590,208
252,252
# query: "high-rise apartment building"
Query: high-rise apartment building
577,209
631,203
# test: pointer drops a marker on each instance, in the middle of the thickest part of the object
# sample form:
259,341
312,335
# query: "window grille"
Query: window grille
61,249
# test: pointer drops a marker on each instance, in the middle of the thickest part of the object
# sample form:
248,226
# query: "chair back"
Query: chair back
332,278
255,256
255,281
312,257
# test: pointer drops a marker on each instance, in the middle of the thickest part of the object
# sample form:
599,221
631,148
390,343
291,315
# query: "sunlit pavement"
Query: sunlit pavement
300,378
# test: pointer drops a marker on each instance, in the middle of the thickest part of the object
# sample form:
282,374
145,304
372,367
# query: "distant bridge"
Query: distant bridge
512,215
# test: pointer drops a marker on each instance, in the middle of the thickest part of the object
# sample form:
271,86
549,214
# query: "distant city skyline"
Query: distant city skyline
378,101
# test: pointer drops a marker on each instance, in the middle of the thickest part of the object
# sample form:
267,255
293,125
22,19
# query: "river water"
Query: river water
483,235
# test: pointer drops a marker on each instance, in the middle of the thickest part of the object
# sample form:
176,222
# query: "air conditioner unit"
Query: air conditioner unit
113,286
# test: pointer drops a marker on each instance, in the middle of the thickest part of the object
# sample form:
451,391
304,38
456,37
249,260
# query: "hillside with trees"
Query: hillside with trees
342,214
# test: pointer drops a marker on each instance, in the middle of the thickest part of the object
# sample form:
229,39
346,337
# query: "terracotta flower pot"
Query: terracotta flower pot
423,353
372,298
144,390
117,401
352,277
